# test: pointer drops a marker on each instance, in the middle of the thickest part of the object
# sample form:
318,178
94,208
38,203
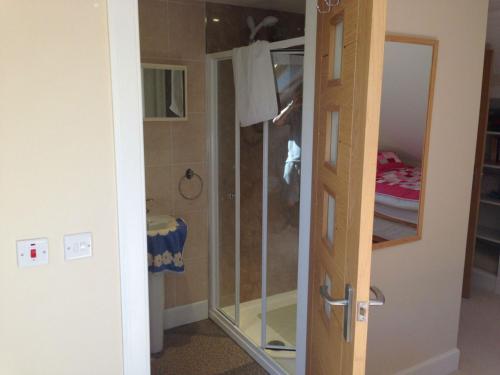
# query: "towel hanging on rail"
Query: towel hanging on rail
255,88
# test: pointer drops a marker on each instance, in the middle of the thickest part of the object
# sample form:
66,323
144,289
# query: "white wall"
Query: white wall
422,280
57,176
405,88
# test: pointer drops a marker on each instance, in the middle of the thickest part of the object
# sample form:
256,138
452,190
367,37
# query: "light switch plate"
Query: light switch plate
77,246
33,252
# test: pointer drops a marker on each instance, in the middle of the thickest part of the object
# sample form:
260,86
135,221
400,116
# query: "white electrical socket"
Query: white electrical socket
32,252
77,246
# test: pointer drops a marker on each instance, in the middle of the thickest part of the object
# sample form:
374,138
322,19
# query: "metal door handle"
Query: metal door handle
379,297
346,303
323,290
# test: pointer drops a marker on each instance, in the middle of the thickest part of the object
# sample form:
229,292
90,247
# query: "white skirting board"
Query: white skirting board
485,280
443,364
180,315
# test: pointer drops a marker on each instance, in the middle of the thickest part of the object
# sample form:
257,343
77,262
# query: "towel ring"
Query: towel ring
187,177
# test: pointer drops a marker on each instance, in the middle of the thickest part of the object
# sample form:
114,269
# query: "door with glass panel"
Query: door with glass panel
350,44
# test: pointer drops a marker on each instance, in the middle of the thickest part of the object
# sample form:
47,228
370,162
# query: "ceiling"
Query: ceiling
298,6
295,6
493,33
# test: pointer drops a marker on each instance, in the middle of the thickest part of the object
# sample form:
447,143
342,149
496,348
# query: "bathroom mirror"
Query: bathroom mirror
405,120
164,92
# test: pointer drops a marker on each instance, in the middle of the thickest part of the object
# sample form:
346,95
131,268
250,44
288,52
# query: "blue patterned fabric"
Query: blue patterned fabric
165,250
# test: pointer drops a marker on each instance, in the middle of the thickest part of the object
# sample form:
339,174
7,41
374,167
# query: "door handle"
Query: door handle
345,302
379,297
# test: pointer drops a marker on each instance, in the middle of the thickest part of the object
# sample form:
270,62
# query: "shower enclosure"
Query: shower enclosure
255,196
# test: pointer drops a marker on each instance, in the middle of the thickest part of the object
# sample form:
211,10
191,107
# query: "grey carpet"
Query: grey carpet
202,348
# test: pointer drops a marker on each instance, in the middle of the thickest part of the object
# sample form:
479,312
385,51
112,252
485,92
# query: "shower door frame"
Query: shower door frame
230,325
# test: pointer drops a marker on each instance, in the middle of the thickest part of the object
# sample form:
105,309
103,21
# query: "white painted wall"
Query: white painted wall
57,176
422,280
405,88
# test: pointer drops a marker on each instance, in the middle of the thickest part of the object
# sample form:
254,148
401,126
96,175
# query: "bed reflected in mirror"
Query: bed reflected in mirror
405,120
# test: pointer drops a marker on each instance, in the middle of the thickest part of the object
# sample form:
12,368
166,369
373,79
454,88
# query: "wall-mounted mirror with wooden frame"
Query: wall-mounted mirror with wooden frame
405,122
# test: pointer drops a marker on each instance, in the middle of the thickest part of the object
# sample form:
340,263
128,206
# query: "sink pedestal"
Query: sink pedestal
156,307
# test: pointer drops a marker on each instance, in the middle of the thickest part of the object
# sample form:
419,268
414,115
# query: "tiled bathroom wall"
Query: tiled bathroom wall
173,32
180,32
227,26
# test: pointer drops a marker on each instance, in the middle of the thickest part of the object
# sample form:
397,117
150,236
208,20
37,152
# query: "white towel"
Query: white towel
254,84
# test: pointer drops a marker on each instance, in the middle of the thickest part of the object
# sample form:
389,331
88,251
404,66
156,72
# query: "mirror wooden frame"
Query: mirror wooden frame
166,67
434,44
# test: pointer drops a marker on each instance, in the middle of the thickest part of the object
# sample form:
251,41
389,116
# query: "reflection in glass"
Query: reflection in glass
284,166
227,205
330,220
339,45
164,92
333,137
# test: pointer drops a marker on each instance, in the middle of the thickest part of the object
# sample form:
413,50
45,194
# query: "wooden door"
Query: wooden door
349,64
478,173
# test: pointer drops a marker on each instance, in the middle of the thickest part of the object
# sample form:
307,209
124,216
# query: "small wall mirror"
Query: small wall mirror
405,120
164,92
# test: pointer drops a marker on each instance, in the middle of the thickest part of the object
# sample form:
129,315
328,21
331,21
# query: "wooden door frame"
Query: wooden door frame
123,29
478,173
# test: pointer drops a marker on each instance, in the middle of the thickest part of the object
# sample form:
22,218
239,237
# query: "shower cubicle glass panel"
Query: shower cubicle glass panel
226,178
257,188
283,171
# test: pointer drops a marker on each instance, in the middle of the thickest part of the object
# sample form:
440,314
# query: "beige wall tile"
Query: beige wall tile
157,145
190,140
153,28
192,285
173,32
197,240
196,86
159,188
186,30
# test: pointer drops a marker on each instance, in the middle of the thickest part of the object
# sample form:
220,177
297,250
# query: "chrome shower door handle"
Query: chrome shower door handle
346,303
379,297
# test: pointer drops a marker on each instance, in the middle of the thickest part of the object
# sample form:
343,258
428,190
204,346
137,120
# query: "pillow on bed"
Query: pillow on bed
387,160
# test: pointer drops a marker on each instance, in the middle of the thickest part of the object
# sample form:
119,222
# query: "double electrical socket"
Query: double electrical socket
35,252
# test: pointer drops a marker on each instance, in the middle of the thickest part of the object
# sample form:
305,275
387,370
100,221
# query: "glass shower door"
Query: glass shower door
227,272
283,198
258,195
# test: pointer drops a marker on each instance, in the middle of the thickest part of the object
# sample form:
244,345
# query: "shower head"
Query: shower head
251,23
266,22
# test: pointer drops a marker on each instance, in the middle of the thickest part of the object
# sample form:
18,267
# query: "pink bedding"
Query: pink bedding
396,179
402,182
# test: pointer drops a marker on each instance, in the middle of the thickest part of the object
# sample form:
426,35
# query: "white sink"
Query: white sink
160,222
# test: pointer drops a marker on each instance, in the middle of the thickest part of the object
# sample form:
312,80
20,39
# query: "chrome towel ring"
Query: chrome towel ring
188,176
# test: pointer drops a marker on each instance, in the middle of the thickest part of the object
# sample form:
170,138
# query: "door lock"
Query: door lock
362,310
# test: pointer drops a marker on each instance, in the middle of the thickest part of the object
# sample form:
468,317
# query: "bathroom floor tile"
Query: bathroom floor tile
202,348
